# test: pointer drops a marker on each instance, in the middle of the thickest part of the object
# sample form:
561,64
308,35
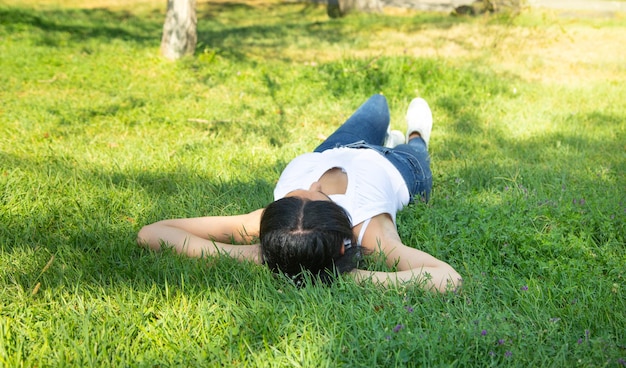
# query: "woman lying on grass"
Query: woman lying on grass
331,205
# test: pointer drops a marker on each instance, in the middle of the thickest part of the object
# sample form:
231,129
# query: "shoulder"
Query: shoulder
380,233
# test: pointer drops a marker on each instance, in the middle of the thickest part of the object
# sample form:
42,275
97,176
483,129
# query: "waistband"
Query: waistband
397,158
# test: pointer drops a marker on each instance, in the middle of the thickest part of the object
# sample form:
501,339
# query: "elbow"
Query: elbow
452,282
145,237
142,236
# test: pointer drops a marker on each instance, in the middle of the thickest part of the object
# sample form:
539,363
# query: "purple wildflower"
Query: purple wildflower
492,353
524,288
621,361
483,332
508,354
580,341
501,342
409,309
398,328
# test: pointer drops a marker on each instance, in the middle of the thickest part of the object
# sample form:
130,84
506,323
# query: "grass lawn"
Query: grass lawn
99,136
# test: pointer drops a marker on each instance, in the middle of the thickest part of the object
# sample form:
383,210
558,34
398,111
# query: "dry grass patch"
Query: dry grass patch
573,55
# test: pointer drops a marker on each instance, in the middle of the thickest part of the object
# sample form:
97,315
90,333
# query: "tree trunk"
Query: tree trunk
179,29
339,8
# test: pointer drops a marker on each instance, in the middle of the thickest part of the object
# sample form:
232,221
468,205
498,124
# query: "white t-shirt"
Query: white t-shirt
375,186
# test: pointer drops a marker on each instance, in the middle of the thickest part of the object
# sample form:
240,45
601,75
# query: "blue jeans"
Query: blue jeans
367,128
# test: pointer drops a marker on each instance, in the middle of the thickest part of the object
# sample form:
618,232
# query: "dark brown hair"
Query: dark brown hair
299,235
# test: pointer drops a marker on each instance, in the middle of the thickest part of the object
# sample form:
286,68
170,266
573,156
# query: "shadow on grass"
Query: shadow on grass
570,149
231,28
93,235
284,25
81,24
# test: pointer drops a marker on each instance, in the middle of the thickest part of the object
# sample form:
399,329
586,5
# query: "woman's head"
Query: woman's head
298,234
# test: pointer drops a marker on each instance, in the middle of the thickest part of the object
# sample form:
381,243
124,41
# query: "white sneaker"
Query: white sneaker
419,119
394,138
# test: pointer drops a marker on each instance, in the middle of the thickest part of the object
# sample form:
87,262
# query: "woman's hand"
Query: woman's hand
413,265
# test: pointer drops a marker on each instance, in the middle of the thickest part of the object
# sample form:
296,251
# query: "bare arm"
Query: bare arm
413,265
202,236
